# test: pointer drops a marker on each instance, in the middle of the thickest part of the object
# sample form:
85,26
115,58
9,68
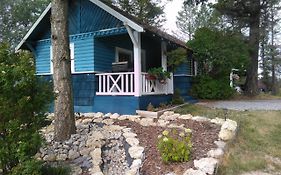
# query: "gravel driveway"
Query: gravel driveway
245,105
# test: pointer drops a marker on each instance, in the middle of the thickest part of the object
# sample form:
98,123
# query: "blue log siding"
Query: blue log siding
84,54
42,60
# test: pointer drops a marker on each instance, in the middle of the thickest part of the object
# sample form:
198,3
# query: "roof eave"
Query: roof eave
19,46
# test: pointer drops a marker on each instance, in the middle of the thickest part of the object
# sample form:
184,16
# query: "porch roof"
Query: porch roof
130,20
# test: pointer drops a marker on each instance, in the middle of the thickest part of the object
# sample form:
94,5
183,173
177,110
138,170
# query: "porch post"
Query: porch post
163,55
137,63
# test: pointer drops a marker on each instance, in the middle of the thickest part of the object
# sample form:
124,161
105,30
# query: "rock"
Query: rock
96,156
217,153
85,151
98,115
200,119
133,171
49,157
136,152
169,117
72,154
191,171
207,165
146,122
86,121
75,170
61,157
90,114
95,169
114,116
168,113
127,129
136,164
176,126
218,121
134,117
162,123
108,121
228,130
129,135
98,173
132,141
220,144
113,128
123,117
108,115
185,117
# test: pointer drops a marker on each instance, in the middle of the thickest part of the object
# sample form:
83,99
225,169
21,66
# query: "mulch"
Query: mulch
203,136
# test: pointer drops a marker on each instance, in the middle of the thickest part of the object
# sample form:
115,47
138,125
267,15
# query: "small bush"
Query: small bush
174,146
177,99
205,87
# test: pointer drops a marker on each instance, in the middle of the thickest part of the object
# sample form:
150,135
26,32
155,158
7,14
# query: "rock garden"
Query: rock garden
113,144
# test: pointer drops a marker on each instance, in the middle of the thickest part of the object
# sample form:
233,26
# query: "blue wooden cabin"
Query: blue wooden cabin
111,52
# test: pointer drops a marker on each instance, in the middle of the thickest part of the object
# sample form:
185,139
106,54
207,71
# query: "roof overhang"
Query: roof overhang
100,4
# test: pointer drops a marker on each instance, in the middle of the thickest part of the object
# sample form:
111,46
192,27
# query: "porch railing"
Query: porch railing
152,87
121,83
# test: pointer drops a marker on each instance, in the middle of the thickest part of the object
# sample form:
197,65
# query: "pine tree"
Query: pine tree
16,18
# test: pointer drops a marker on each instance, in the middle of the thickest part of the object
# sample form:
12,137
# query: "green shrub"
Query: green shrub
175,147
177,99
23,102
205,87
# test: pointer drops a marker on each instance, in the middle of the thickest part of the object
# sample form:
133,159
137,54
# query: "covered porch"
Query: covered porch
135,81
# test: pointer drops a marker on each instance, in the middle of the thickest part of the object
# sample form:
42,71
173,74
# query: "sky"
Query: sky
171,10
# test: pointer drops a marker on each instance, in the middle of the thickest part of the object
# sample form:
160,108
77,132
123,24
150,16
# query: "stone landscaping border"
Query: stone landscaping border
91,137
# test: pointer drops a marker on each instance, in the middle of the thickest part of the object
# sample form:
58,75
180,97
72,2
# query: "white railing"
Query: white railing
150,87
121,83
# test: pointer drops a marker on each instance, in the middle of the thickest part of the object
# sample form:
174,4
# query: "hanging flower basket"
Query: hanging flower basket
150,77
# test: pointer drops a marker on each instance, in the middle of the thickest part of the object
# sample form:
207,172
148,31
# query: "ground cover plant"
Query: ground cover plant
257,146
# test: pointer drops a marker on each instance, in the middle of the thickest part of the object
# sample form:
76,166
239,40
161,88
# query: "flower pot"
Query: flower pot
150,77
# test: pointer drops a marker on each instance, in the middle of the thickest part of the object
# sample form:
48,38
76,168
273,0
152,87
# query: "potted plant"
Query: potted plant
159,74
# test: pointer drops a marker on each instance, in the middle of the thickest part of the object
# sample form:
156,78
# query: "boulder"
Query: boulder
228,130
72,154
136,152
132,141
200,119
207,165
215,153
185,117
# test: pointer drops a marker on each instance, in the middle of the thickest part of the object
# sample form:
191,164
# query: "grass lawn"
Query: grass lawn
258,141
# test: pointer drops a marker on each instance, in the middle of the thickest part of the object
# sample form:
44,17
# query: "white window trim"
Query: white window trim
71,47
118,49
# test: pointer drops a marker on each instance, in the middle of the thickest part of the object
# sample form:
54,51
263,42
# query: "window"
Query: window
123,55
71,47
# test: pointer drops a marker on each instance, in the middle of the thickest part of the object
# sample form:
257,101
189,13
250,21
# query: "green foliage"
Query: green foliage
176,58
23,100
34,167
151,12
205,87
177,99
159,74
17,16
174,146
219,51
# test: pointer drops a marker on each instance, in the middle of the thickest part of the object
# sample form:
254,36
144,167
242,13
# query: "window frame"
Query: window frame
122,50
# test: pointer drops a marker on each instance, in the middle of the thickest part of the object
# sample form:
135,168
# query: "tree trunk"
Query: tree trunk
251,85
64,112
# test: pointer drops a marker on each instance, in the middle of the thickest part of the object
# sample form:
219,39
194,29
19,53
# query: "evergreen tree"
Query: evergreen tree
151,12
16,18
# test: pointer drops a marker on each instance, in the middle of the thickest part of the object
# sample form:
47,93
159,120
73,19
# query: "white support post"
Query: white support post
137,63
163,55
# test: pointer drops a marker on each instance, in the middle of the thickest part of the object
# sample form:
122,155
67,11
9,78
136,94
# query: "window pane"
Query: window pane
124,57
